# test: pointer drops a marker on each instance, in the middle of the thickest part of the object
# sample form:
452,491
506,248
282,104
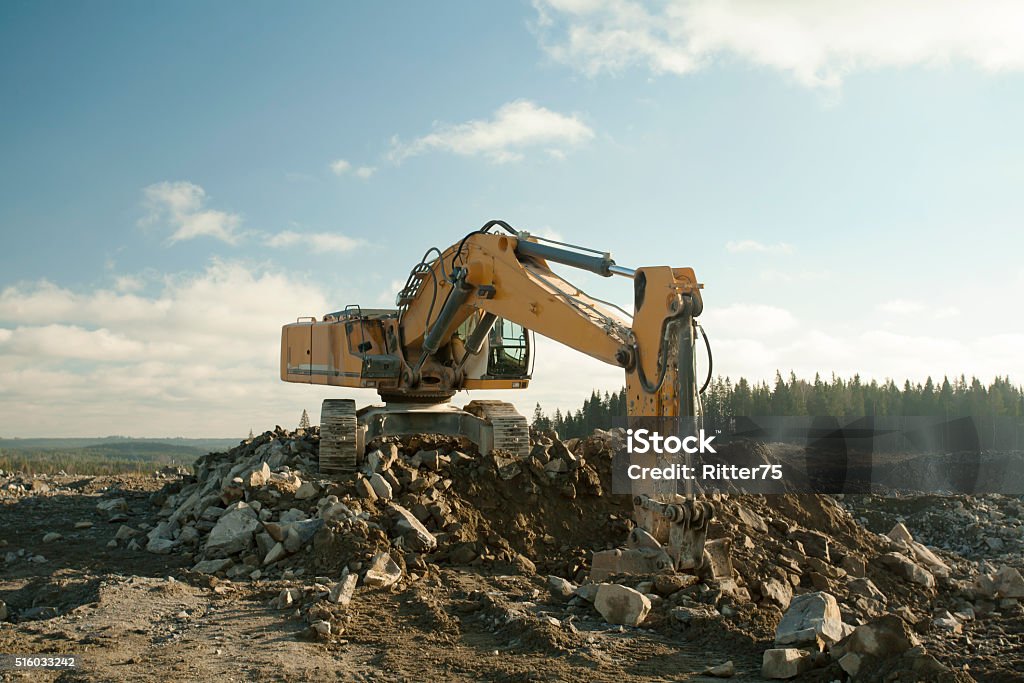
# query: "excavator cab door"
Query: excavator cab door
508,351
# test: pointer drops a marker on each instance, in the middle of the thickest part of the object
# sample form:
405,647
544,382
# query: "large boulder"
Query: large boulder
233,532
621,605
811,617
906,569
411,530
785,662
383,571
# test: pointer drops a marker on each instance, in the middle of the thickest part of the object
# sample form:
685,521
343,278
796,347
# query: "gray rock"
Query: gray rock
299,534
276,554
724,670
777,592
815,544
810,616
189,536
375,462
383,571
160,546
560,588
264,543
51,537
851,663
854,566
212,566
884,637
751,519
1004,583
307,490
920,553
381,487
867,589
782,663
621,605
463,554
508,468
947,622
556,466
257,477
434,460
287,598
342,592
233,532
411,530
112,505
293,515
364,489
212,513
906,569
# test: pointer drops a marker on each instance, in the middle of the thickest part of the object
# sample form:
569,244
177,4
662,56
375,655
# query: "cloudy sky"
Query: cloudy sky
179,179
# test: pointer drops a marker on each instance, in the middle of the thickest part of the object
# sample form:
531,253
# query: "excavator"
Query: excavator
465,320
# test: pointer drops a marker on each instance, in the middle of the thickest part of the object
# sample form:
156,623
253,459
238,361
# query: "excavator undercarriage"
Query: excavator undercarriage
344,431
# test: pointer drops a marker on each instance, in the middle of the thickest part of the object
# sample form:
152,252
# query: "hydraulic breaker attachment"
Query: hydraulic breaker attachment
687,522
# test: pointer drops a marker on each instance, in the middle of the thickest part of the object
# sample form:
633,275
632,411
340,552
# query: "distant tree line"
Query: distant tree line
838,397
102,460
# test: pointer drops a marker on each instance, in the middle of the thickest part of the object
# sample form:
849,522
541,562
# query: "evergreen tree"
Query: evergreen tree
304,420
724,400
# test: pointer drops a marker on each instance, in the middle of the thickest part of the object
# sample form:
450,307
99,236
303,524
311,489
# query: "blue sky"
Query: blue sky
180,179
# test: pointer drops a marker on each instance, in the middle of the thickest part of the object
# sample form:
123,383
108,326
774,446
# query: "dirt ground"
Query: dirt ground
133,615
136,616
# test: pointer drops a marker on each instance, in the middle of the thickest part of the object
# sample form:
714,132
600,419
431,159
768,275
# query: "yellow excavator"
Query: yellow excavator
464,320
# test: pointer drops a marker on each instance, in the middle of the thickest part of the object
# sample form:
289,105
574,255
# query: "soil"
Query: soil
132,615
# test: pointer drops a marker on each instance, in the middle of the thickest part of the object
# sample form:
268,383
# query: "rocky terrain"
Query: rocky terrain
437,562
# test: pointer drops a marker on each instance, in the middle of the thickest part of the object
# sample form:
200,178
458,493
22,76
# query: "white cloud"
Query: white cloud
818,43
342,167
515,127
315,241
791,276
741,319
128,283
198,357
902,307
740,246
179,205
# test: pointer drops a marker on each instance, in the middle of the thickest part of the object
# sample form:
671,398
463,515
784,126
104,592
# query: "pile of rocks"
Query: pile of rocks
262,511
18,485
976,527
799,571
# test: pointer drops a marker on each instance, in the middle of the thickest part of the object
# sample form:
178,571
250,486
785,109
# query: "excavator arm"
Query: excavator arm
508,275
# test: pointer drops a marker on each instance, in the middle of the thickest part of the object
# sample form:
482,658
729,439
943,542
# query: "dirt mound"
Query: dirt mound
423,504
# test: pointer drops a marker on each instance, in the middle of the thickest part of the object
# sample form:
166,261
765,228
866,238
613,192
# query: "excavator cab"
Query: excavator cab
504,350
509,353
